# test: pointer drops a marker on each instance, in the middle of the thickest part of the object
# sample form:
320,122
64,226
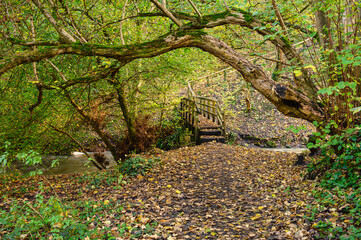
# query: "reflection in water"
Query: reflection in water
76,163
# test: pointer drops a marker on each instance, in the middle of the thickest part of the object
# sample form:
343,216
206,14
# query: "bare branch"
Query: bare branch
195,9
225,3
121,23
63,34
34,44
270,59
57,69
73,24
77,143
166,12
279,16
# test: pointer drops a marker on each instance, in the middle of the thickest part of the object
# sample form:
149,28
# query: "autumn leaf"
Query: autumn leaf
297,73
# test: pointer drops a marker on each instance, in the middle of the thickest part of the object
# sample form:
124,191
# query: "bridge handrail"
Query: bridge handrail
208,107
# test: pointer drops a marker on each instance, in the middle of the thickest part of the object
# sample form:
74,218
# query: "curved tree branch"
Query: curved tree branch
167,12
66,37
290,101
247,20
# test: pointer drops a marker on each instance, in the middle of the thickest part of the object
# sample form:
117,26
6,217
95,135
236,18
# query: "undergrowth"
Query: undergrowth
340,184
42,212
138,165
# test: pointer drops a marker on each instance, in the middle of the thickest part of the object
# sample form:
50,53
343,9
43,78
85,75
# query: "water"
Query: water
289,150
76,163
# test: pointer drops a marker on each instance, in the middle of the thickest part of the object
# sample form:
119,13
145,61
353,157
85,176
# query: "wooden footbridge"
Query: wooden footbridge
204,117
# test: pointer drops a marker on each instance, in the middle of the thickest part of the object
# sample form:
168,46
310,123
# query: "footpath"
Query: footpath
218,191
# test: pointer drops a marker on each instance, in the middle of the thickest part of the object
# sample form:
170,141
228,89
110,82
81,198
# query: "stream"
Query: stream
76,163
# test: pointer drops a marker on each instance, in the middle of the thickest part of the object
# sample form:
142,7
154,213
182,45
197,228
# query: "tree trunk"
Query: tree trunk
323,29
286,99
128,118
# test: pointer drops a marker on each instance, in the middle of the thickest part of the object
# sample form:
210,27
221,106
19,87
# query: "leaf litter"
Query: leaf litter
211,191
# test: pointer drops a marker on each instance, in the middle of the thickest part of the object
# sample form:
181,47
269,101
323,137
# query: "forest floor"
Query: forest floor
211,191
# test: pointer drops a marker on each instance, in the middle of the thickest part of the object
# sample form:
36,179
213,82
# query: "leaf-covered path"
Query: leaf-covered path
211,191
218,191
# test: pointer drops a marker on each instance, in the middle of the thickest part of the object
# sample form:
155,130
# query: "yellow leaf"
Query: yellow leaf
260,208
312,67
106,202
297,73
169,186
177,191
57,225
201,178
257,216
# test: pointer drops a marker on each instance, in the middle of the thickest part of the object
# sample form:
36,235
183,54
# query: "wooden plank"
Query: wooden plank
214,110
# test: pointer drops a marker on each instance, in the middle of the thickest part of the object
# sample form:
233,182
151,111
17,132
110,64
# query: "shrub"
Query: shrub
339,170
138,165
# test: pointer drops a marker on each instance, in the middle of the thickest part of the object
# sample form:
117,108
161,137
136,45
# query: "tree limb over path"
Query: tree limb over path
296,103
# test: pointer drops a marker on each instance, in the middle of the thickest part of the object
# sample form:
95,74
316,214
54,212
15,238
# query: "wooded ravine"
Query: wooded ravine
148,81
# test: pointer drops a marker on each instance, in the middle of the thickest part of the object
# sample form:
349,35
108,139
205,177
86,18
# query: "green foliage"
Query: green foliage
340,166
172,133
100,178
43,217
135,165
231,138
47,216
4,157
296,129
29,158
173,140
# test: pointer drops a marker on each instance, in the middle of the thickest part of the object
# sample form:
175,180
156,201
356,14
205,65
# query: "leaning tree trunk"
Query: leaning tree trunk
288,100
292,102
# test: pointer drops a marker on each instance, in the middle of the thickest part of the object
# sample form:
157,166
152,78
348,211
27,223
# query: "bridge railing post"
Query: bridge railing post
224,123
196,131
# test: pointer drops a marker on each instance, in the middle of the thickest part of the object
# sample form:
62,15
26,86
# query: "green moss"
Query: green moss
185,14
190,32
214,17
286,41
247,15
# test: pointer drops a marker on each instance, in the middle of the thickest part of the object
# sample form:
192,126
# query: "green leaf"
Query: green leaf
356,110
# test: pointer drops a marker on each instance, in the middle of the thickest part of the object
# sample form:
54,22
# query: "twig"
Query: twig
166,12
279,16
195,9
121,23
81,146
64,34
225,3
37,213
270,59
